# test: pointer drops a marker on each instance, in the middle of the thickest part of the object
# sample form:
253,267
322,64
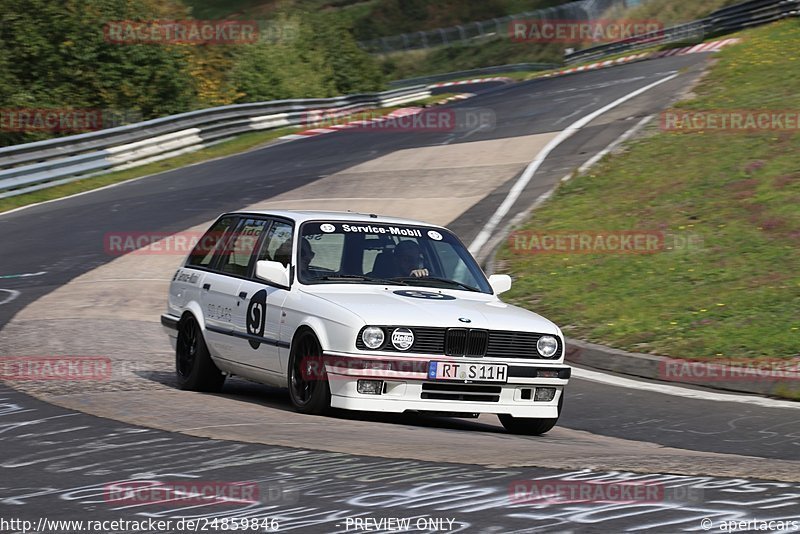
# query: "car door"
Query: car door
263,302
225,305
213,286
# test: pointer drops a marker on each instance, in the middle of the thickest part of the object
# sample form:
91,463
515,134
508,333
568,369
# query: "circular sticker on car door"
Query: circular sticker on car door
257,316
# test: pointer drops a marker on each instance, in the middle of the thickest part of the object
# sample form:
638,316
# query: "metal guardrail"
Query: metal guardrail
497,69
752,13
43,164
728,19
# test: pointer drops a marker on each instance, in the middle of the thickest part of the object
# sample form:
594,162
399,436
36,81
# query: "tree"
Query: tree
57,56
313,58
354,71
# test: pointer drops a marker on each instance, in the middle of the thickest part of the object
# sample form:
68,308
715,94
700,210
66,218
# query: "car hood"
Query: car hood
410,306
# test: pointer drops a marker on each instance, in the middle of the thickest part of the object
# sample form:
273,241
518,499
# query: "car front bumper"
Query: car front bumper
406,386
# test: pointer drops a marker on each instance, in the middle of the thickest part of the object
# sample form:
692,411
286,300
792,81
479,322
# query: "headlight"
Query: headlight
547,346
373,337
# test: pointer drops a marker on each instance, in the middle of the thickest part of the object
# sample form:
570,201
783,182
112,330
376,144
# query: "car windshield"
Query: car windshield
380,253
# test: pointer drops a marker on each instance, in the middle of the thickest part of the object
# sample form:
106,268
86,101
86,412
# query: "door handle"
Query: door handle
206,286
243,295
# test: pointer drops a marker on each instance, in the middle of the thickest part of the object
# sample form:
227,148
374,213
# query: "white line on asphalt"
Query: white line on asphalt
489,228
521,216
13,294
624,137
612,380
24,275
577,111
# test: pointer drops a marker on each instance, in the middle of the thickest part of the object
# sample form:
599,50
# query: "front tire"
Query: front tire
528,426
308,382
194,368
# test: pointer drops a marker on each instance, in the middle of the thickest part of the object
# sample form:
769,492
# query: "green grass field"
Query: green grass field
735,292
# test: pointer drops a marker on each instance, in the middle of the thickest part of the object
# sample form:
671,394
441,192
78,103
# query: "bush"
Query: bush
320,59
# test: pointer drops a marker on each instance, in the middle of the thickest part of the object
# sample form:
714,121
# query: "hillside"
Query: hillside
371,19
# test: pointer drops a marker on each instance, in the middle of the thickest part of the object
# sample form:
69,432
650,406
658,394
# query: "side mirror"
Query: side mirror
273,271
500,283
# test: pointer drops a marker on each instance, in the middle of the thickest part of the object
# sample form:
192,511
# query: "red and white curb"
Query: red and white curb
714,46
453,98
402,112
598,65
469,82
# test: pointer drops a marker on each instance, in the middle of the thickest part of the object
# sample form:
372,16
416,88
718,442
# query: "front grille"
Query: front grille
426,340
461,392
507,344
467,342
464,342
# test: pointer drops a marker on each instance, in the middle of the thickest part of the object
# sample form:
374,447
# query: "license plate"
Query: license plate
473,372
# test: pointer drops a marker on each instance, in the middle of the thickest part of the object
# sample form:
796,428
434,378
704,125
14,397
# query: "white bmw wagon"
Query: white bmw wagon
361,312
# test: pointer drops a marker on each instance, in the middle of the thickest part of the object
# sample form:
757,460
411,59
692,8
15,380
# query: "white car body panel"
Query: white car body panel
336,313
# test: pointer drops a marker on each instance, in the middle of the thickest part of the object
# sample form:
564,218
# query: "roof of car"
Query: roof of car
301,216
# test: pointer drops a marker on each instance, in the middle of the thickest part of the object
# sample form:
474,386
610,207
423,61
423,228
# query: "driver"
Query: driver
306,255
408,259
284,253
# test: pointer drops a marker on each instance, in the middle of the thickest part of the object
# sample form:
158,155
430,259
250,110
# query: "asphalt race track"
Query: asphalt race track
61,292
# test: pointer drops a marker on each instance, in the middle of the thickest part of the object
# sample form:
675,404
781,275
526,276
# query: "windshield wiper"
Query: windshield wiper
357,278
442,280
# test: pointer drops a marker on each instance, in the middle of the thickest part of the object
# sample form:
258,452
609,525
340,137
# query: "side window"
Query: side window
453,264
277,245
203,252
240,246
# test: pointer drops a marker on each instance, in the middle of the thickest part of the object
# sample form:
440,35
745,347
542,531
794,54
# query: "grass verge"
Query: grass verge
734,292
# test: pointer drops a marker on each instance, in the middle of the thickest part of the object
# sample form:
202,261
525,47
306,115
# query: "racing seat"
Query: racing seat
384,266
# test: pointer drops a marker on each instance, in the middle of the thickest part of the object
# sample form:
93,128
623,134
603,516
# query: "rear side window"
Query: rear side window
203,252
235,258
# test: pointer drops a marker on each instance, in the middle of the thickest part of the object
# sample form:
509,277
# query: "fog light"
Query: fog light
544,394
374,387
